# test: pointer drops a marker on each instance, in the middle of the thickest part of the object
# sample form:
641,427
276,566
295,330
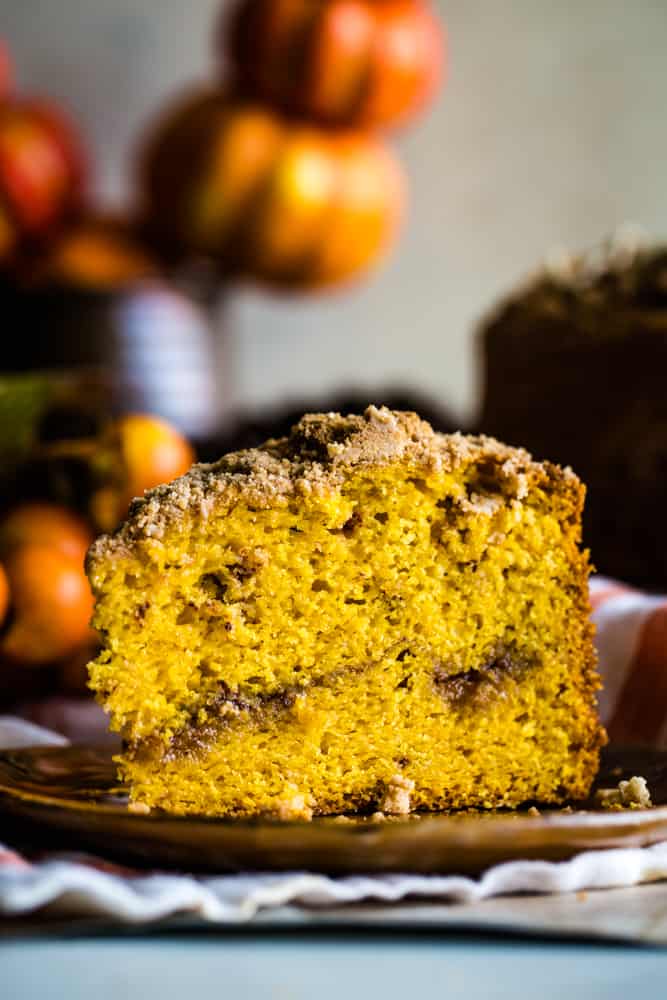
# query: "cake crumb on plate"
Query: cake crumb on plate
632,794
396,799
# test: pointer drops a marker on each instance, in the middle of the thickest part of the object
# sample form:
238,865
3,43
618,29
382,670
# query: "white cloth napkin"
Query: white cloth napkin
80,889
79,885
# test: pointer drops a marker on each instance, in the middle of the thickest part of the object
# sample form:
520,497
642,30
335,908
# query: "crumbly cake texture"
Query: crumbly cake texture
573,365
363,615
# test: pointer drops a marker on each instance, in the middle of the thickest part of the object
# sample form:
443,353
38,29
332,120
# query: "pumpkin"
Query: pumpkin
51,605
291,204
41,172
348,62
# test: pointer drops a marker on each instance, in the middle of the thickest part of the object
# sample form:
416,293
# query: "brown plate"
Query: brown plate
68,797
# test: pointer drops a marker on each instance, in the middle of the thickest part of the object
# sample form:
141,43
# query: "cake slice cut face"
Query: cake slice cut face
364,616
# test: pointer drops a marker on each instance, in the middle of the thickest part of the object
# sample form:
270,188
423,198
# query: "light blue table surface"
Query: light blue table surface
330,967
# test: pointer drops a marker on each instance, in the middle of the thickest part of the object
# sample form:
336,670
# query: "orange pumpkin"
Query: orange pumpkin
287,203
41,171
51,605
135,453
345,62
45,524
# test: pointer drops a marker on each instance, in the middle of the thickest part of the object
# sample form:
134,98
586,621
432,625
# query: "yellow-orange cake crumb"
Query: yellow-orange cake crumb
365,616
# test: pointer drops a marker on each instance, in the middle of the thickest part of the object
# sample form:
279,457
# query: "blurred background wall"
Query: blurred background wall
549,133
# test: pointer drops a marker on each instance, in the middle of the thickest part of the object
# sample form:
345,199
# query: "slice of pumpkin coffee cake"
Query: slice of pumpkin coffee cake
365,615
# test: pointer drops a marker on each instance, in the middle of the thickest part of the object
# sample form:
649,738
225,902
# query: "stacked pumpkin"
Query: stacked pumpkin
281,175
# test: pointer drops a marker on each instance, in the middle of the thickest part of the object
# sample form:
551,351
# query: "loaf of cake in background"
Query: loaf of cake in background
574,370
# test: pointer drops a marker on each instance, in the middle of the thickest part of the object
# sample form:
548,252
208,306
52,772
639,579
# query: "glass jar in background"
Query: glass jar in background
150,346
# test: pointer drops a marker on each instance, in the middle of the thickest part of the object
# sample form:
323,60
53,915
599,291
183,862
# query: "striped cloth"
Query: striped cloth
631,638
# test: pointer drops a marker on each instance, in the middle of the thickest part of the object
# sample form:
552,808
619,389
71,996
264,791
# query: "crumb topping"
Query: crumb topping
315,457
616,276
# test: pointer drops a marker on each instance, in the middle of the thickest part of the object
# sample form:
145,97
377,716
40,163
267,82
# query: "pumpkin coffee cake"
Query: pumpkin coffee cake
363,615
